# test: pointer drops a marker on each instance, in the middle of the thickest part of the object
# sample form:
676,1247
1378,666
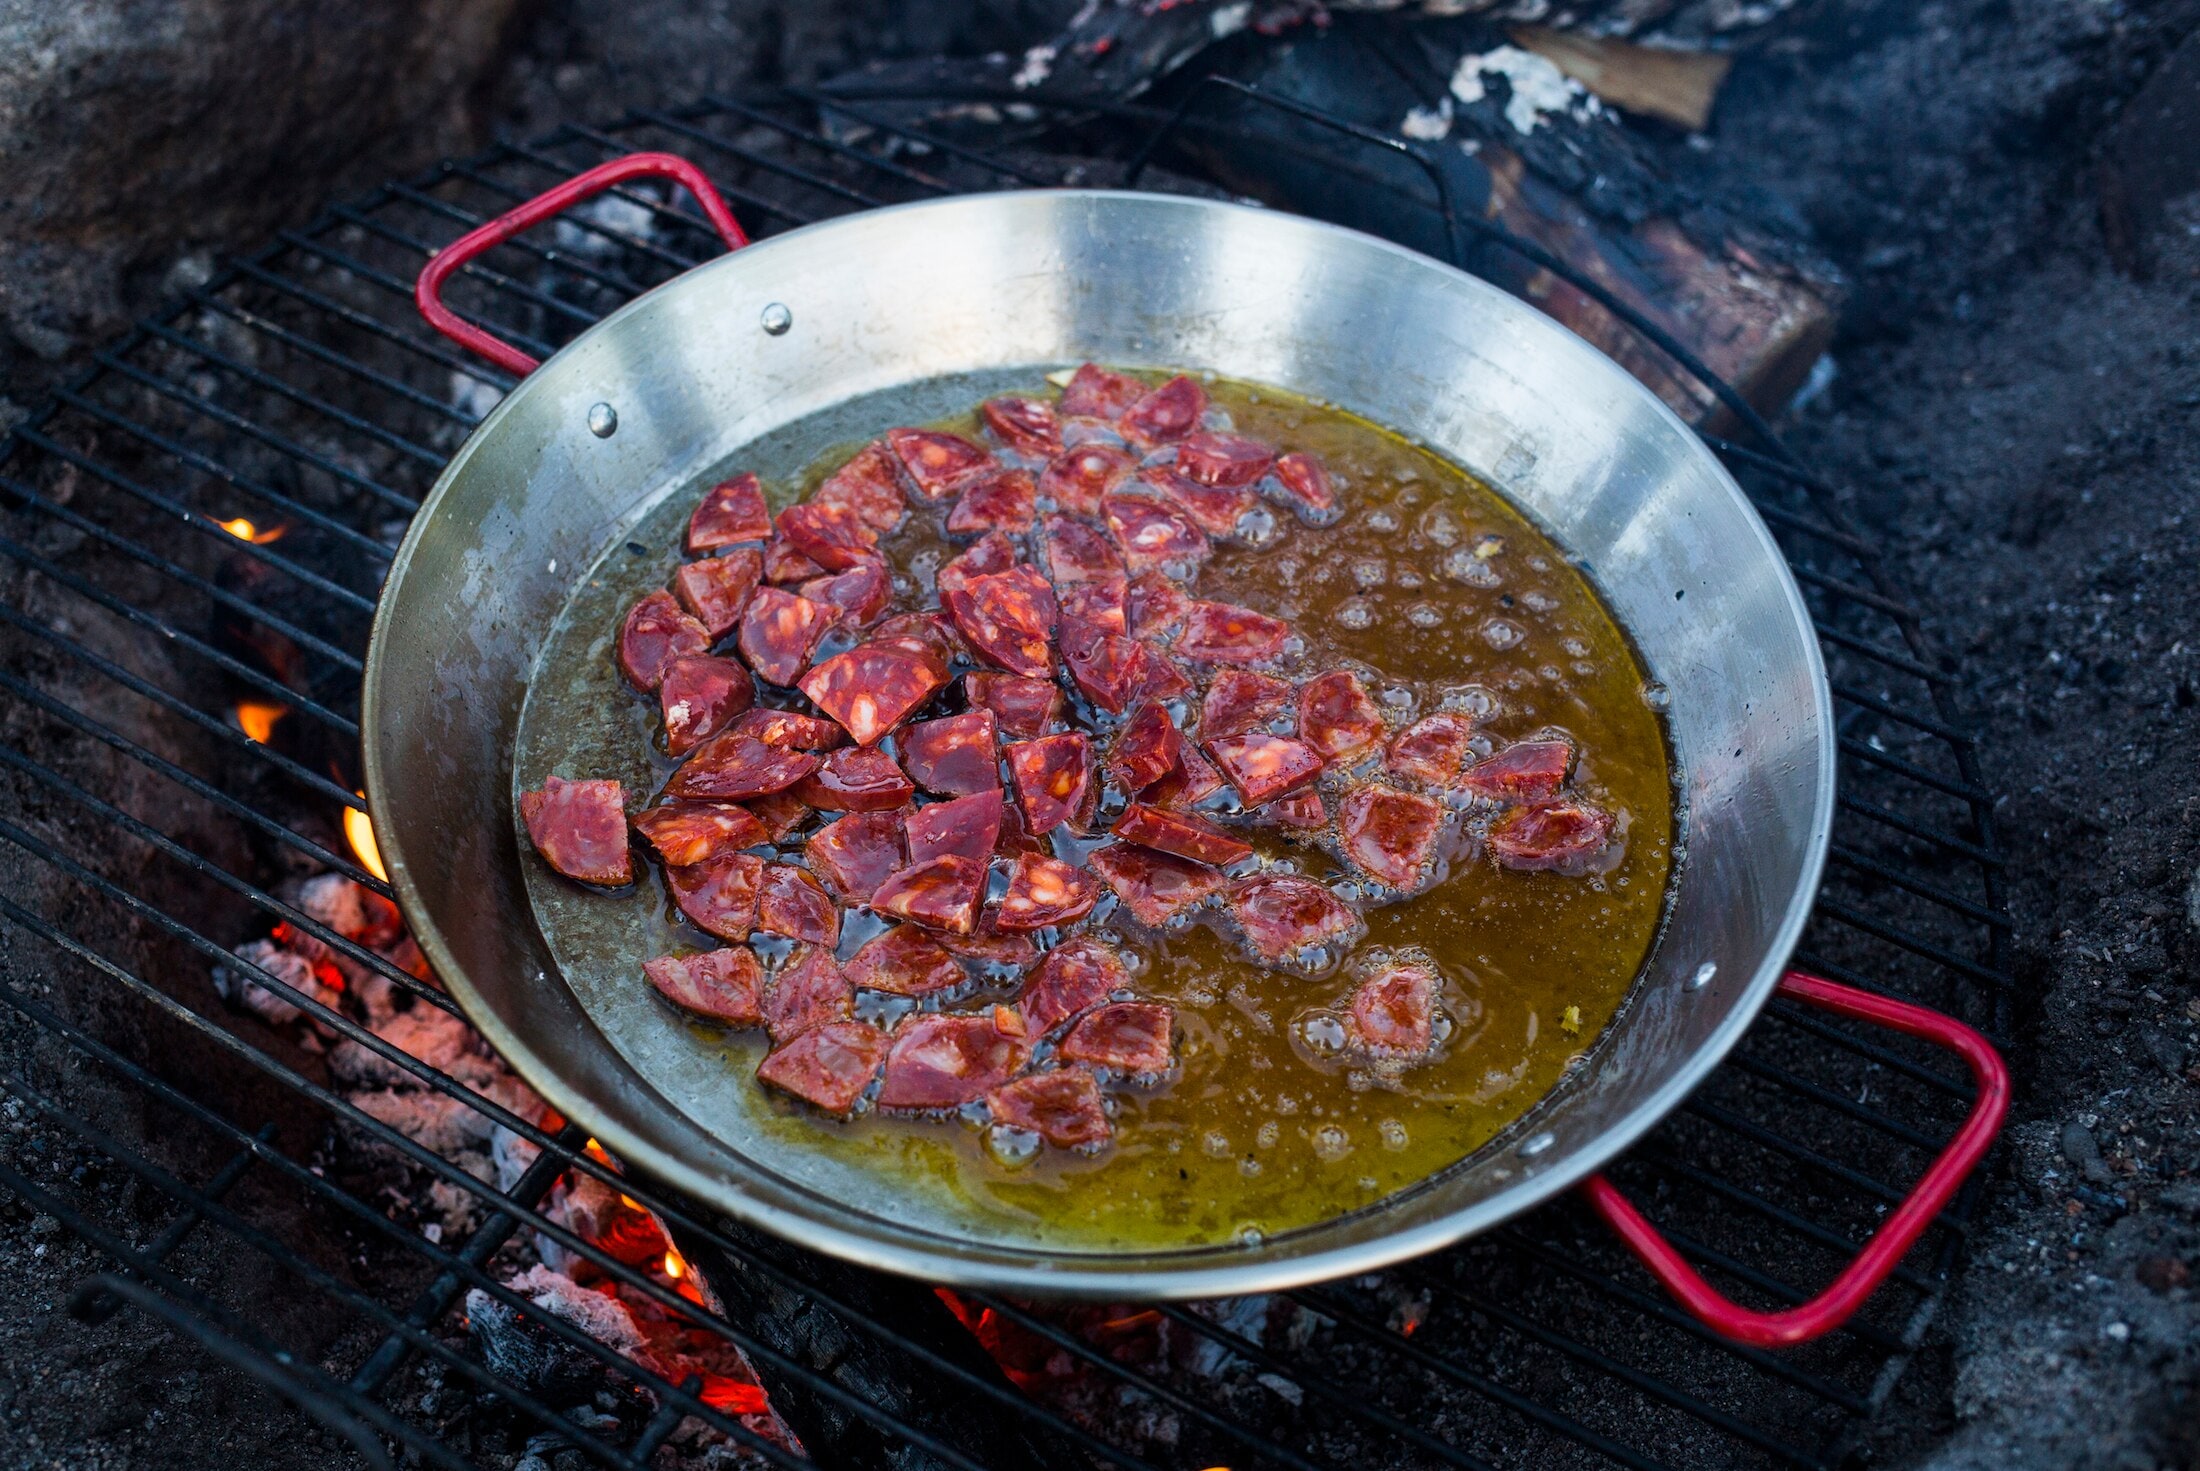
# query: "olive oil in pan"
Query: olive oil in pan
1444,597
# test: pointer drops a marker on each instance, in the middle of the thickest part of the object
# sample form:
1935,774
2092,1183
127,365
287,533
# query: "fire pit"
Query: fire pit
334,1189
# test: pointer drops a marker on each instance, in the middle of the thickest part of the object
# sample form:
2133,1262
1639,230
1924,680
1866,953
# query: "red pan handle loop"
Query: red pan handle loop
1839,1302
428,290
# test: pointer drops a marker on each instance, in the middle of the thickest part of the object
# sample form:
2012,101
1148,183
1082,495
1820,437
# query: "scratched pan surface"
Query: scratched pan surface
911,314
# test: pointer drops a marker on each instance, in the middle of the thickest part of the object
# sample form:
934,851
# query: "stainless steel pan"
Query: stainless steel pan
770,344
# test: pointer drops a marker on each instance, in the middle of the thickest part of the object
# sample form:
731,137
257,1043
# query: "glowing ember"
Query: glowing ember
256,718
674,1267
244,530
359,832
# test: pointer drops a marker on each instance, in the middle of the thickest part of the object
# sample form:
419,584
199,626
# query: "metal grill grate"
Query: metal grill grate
146,834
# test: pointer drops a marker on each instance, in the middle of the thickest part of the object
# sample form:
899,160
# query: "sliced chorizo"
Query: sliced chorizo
1145,750
735,766
785,563
1238,700
1218,459
791,903
718,895
1191,781
829,1066
1338,717
941,893
1101,603
934,462
905,961
657,631
873,687
1302,483
1433,749
869,485
834,537
856,779
956,755
731,511
1077,552
861,593
969,826
1218,510
718,985
1263,767
1131,1039
1174,832
1389,835
790,730
1166,414
1157,888
990,553
1062,1106
1526,771
1075,976
1154,535
1053,775
1075,479
1292,921
689,832
1223,633
579,828
1022,707
1043,892
701,695
997,500
1393,1011
1565,836
779,632
858,853
1095,393
716,589
808,990
1006,618
940,1062
1302,810
1028,426
1156,605
1109,668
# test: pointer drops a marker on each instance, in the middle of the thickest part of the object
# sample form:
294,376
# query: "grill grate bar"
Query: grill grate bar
282,444
229,734
1777,1365
365,546
1833,1241
1939,955
1795,1016
1872,1118
596,275
350,316
1649,1384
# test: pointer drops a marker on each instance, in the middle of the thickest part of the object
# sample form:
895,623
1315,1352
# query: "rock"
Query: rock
2079,1148
130,128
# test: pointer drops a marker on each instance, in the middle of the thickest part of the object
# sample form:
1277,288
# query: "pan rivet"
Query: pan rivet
1540,1144
777,319
1703,975
603,421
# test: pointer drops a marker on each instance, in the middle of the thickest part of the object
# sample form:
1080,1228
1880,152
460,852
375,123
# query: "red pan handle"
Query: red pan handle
428,290
1839,1302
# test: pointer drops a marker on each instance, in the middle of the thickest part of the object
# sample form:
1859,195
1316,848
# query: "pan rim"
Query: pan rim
1280,1262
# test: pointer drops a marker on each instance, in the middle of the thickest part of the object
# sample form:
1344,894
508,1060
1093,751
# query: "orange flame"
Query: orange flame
675,1268
359,832
256,718
244,530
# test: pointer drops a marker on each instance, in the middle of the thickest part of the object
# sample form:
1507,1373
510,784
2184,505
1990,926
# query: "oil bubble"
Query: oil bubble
1462,566
1393,1132
1425,615
1324,1031
1657,696
1502,633
1267,1134
1540,601
1332,1143
1248,1167
1355,614
1441,527
1215,1143
1381,520
1368,572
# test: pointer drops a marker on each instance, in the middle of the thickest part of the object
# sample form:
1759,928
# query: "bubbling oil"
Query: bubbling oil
1446,598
